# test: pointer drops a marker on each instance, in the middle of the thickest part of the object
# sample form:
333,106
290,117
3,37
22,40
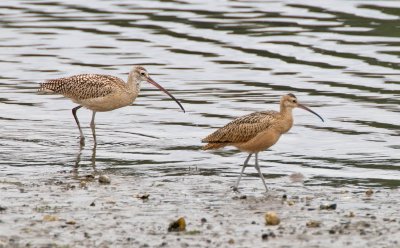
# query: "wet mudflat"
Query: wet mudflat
69,209
221,59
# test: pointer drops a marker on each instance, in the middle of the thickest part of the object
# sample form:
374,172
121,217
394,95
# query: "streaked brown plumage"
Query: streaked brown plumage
100,93
249,125
256,132
84,86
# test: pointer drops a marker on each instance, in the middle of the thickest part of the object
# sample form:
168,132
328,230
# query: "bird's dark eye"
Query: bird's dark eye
143,74
294,101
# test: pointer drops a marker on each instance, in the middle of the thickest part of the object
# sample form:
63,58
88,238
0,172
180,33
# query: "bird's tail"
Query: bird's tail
49,87
213,146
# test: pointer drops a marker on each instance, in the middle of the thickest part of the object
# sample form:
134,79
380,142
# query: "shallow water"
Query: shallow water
222,60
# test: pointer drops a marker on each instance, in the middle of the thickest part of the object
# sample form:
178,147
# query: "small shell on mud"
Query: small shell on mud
110,200
369,192
178,225
296,177
313,223
271,218
83,184
104,179
49,217
290,203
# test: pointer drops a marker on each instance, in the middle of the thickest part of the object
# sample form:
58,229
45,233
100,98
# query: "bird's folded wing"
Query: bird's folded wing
243,128
83,86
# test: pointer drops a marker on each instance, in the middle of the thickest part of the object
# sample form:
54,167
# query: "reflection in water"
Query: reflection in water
77,165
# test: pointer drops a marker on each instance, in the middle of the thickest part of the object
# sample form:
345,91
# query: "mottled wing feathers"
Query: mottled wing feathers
241,129
82,86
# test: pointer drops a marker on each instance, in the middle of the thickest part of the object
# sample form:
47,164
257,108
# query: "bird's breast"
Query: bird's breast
109,102
260,142
285,125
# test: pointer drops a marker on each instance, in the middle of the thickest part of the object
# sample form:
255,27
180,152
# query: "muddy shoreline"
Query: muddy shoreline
67,208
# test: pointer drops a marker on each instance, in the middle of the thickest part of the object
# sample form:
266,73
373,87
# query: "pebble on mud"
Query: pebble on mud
143,196
104,179
89,177
70,222
271,218
313,223
369,192
331,206
265,236
178,225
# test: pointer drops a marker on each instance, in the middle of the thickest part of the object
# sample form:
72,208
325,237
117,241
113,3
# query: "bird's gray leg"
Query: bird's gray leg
259,172
82,141
93,127
94,160
235,188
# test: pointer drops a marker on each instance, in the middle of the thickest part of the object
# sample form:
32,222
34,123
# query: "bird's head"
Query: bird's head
141,75
290,101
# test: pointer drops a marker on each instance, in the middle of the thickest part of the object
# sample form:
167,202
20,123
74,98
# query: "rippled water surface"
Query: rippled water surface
222,59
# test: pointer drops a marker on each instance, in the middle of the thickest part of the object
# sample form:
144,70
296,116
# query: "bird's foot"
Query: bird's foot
235,189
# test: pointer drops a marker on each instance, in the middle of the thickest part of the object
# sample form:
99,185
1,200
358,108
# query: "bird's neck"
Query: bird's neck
133,84
286,111
286,118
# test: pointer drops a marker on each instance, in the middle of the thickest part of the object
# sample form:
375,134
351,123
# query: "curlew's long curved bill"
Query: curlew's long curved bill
309,110
165,91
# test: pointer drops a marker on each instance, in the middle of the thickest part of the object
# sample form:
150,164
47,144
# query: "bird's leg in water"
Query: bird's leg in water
82,142
235,188
259,172
93,127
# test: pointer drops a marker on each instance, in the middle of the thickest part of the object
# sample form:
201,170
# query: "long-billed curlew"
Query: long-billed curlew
100,93
256,132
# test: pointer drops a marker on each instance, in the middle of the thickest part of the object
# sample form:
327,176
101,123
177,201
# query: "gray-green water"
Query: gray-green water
222,59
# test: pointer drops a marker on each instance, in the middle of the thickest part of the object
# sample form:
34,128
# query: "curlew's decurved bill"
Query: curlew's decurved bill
309,110
151,81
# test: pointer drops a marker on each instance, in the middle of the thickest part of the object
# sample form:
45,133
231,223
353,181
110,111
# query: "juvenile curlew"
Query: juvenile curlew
256,132
100,93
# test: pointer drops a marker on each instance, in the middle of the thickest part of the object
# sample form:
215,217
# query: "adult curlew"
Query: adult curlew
100,93
256,132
